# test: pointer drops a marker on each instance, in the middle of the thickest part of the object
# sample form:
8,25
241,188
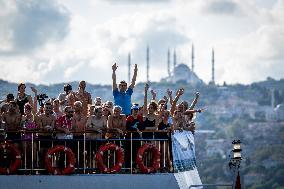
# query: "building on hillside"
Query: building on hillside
182,72
279,112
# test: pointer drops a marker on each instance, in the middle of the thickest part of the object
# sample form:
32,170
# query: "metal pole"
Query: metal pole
131,153
84,154
32,152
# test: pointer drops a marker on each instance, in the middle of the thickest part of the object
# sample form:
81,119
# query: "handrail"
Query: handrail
198,185
33,150
54,131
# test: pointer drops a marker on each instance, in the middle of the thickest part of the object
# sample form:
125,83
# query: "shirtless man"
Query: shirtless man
83,96
65,125
95,127
91,110
96,123
79,120
62,96
56,109
5,106
117,122
12,120
71,99
46,122
79,123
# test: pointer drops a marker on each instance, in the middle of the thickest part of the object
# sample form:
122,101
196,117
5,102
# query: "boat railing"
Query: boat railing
33,146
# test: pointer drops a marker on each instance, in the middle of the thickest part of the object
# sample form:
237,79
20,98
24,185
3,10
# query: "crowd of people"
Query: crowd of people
74,115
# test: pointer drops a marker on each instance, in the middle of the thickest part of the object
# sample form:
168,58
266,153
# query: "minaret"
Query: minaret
192,58
213,68
129,66
169,63
147,59
175,58
272,98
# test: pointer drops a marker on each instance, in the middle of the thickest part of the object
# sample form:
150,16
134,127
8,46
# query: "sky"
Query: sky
53,41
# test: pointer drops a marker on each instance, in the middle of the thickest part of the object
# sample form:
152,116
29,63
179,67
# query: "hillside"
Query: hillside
246,112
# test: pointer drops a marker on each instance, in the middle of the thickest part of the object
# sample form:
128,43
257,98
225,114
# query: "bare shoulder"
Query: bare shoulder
29,97
53,117
36,117
18,115
40,116
4,115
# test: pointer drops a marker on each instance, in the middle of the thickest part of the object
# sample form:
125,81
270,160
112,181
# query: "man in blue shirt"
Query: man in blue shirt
122,94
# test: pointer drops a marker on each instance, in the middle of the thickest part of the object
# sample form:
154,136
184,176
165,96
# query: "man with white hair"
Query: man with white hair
79,120
98,101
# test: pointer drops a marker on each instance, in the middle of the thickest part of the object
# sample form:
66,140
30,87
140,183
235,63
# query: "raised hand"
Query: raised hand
146,86
180,92
166,98
34,90
154,94
135,68
114,67
197,94
169,92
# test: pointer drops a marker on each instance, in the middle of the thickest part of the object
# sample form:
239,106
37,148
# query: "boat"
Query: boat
88,171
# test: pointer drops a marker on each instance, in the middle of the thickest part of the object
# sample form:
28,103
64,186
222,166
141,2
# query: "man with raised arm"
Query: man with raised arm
122,94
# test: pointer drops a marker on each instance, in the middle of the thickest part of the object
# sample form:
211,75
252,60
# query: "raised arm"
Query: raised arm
191,111
169,92
197,94
123,123
132,85
178,94
145,100
30,99
105,126
35,100
109,122
114,85
89,99
162,110
154,94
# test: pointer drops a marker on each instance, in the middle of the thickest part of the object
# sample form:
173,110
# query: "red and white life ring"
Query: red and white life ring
100,161
15,155
70,158
155,161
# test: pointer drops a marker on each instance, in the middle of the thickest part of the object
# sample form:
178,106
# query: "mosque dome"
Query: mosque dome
183,73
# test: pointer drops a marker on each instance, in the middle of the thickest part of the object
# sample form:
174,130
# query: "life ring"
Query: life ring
100,161
155,161
16,155
70,158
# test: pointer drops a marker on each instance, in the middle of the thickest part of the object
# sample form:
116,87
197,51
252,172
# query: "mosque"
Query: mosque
180,72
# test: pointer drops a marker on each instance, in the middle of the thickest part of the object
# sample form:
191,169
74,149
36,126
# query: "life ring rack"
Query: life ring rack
70,158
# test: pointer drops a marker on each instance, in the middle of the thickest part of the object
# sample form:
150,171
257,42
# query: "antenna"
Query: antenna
147,67
129,66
